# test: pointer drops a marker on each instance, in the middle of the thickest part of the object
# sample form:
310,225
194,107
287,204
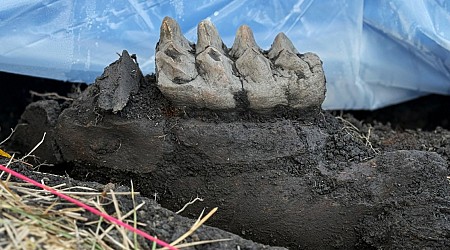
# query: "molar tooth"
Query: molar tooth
217,69
173,56
213,77
284,54
263,92
208,36
170,32
281,43
244,40
254,67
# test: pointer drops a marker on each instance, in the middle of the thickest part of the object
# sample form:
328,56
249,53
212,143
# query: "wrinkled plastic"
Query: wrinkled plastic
375,53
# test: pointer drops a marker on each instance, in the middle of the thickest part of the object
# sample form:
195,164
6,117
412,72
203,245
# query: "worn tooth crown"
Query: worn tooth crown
174,61
214,77
170,31
208,36
243,41
280,43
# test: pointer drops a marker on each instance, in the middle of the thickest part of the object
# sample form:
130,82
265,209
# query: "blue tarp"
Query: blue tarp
375,53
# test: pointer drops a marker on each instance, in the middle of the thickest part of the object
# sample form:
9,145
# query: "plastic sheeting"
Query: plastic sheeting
375,53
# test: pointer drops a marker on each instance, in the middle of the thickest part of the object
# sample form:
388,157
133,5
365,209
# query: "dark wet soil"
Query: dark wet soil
158,221
323,181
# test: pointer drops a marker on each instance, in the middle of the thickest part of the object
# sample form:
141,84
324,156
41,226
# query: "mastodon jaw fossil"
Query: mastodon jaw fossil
209,75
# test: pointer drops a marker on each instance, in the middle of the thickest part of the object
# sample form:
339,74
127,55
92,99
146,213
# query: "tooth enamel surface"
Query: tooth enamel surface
262,90
244,40
281,43
208,36
214,77
174,61
216,69
170,32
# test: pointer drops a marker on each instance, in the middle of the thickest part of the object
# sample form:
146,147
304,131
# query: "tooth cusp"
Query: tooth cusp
254,66
208,36
281,43
170,32
244,40
215,77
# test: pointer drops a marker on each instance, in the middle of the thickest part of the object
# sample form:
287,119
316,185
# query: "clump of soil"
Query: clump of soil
296,179
150,217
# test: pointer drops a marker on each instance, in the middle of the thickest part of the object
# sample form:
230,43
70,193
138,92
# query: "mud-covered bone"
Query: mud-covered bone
120,79
215,77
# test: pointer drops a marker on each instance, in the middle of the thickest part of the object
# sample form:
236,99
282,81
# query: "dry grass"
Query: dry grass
35,219
355,132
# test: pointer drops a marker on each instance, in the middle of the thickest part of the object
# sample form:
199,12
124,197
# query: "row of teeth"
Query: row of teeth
209,75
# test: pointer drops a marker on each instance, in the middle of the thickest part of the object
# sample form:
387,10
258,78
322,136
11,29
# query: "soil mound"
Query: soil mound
300,181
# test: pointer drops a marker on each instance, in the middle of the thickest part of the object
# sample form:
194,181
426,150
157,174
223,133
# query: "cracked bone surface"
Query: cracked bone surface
209,75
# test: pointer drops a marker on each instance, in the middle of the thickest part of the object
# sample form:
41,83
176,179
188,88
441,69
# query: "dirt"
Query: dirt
158,221
303,180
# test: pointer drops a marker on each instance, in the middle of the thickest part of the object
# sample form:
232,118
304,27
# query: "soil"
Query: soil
158,221
311,180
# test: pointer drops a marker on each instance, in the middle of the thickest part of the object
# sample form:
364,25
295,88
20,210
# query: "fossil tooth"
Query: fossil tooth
306,85
178,68
216,78
281,43
217,69
173,57
285,55
208,36
244,40
254,67
263,92
170,32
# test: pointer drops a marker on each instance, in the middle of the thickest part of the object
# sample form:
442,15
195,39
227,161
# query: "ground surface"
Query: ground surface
343,181
160,222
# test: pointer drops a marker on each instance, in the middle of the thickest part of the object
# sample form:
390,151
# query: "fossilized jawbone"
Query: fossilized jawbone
209,75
